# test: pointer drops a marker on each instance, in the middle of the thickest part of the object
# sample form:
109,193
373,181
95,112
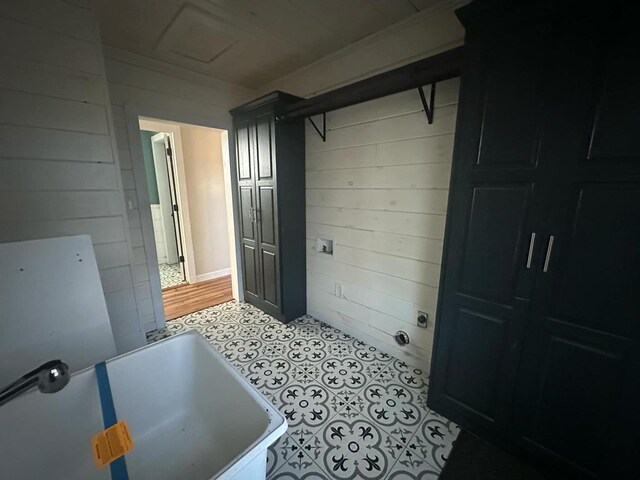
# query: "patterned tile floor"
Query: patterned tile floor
170,275
354,412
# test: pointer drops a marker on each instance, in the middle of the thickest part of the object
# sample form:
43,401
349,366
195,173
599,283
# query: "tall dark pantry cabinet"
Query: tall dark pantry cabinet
537,340
271,196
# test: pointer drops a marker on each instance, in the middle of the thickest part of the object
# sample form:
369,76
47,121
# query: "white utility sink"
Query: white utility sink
191,416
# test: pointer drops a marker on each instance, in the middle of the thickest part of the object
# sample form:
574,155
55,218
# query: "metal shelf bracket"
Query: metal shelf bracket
323,133
428,107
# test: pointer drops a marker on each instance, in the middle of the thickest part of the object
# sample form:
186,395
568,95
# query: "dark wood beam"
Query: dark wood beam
440,67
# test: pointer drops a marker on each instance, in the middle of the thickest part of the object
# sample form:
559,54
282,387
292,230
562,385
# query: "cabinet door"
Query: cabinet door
578,392
490,238
267,214
245,144
579,385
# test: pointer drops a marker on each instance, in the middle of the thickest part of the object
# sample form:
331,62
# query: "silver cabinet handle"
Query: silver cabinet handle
532,242
548,256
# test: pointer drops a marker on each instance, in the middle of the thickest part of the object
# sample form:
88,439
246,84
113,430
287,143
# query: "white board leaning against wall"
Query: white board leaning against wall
51,306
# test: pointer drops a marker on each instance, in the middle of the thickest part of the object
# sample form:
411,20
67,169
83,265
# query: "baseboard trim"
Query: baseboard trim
211,275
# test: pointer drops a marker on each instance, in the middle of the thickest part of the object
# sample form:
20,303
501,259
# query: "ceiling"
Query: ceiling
246,42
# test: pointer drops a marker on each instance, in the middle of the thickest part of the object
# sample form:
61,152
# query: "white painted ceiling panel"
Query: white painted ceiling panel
198,36
246,42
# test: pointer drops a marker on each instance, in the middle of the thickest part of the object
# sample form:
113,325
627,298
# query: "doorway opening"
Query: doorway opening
161,172
189,189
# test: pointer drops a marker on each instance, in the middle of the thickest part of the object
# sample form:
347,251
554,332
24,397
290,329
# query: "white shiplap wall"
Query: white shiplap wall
59,171
167,92
378,188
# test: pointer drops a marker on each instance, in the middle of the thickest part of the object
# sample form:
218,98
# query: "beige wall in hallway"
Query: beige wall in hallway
202,152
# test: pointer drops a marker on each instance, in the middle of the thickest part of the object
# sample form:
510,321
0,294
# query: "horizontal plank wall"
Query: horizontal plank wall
59,168
378,188
169,93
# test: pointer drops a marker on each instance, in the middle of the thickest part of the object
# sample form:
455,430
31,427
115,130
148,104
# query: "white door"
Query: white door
169,211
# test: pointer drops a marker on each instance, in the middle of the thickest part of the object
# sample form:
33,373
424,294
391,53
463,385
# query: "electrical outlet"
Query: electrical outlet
423,319
339,290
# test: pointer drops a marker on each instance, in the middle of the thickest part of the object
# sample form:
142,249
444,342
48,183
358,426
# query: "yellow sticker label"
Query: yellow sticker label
111,444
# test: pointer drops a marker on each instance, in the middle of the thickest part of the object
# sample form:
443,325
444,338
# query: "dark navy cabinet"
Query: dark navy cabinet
538,333
271,197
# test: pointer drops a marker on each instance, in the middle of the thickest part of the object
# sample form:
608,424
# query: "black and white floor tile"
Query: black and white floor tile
354,412
170,275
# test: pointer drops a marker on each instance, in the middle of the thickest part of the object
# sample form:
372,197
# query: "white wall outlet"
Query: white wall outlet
339,290
423,319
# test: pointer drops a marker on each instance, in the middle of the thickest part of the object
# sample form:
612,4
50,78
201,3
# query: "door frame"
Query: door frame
181,191
168,223
222,122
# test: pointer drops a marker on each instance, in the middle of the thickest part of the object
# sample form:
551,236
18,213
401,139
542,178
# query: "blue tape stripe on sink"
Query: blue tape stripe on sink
119,466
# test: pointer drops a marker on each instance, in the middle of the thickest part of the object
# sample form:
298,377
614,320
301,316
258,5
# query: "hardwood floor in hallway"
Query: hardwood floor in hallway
184,299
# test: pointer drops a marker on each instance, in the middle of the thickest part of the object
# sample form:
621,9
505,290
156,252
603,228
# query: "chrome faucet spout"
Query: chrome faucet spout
50,377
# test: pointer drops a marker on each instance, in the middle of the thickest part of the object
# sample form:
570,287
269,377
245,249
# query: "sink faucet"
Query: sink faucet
50,377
